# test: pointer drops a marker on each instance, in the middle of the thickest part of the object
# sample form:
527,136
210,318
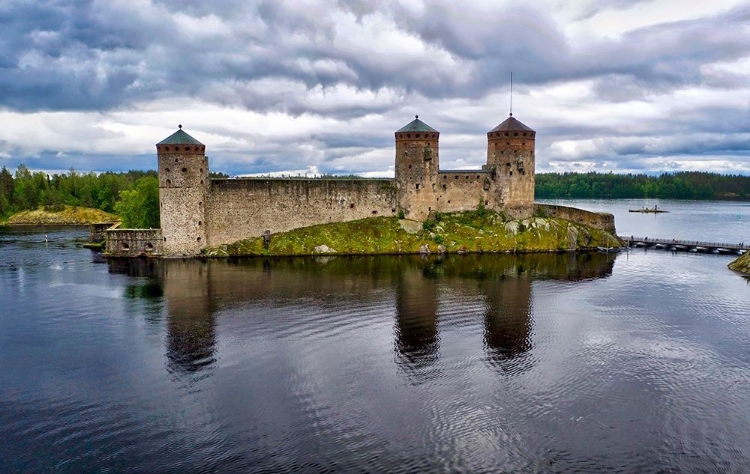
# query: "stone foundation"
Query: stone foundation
134,243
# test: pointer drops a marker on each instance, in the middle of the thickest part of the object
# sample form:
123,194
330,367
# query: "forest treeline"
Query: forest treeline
24,190
681,185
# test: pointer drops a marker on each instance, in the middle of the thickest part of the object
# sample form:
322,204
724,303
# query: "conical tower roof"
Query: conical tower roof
511,125
416,125
179,138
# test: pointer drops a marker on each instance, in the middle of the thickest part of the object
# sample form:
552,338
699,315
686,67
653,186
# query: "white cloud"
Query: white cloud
612,84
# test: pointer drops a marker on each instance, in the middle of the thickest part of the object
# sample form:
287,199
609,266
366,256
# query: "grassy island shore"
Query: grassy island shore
69,215
474,231
741,264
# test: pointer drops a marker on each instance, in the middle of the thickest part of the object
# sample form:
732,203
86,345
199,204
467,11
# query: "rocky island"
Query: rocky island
741,264
480,231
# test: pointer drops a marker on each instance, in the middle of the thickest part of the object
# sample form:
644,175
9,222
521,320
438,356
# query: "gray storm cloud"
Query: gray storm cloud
363,68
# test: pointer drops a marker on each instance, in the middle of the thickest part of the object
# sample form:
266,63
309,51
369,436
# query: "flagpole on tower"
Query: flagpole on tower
511,93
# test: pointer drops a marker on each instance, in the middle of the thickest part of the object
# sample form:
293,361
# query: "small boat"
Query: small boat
649,210
608,249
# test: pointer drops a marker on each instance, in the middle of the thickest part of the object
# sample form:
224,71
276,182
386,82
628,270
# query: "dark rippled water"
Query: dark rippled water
540,363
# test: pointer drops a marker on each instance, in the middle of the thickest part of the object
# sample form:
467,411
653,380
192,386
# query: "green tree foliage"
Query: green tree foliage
29,190
682,185
139,208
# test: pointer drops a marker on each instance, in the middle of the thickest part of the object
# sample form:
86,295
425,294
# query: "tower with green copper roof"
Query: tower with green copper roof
417,166
183,189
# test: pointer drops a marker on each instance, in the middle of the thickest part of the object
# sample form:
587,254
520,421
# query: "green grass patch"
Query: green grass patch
68,215
473,231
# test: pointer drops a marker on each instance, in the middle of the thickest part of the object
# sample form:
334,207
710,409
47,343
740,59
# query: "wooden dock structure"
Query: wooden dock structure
677,245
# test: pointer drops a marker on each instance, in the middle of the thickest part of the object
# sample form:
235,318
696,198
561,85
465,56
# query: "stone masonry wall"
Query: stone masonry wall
598,220
242,208
134,242
417,165
463,190
183,185
512,155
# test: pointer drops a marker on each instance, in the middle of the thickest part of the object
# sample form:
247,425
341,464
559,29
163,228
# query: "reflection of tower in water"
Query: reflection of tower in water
191,335
507,322
416,319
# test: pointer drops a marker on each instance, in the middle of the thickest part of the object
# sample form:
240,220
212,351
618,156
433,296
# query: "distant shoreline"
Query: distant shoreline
68,216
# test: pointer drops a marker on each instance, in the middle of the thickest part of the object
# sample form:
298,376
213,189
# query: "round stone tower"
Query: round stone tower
183,188
417,165
510,150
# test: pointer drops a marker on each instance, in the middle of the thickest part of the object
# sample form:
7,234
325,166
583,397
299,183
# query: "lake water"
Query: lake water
634,362
709,221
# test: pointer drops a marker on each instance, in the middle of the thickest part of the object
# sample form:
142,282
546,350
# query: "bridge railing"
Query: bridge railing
694,243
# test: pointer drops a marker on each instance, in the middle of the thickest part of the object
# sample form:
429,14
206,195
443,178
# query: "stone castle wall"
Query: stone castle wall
598,220
134,242
463,190
242,208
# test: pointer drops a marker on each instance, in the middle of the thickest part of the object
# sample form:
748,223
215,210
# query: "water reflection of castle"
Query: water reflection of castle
502,284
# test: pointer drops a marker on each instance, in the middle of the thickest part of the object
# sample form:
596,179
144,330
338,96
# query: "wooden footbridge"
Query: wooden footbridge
684,245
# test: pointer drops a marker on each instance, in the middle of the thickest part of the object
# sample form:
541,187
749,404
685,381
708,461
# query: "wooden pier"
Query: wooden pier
678,245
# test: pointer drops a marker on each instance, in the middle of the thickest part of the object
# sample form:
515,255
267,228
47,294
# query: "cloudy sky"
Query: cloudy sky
269,86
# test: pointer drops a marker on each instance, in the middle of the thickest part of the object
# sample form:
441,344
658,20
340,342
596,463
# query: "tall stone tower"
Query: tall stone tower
183,188
510,150
417,165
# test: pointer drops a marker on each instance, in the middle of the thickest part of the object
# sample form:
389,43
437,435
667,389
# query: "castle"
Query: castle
197,211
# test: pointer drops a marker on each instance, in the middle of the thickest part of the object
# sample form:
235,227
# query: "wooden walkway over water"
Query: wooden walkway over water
684,245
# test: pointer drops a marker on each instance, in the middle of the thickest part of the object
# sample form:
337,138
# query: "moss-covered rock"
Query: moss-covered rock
474,231
741,264
68,216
